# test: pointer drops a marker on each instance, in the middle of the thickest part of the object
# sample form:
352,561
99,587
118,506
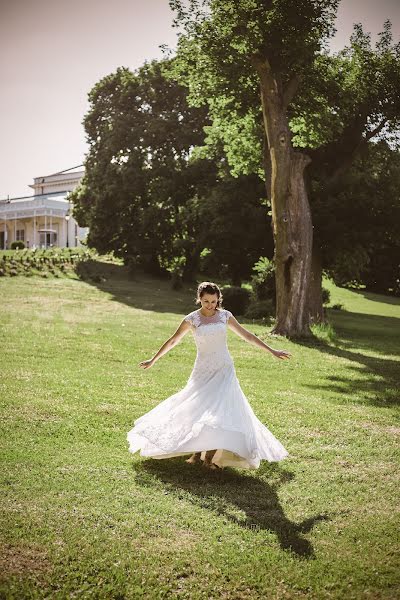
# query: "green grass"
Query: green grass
83,518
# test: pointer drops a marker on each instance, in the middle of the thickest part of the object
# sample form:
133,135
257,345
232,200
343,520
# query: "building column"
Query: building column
66,233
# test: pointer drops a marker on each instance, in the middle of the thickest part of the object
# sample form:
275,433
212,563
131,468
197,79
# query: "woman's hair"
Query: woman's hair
208,287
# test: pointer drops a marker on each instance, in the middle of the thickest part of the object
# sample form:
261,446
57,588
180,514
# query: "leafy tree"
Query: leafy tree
233,226
141,133
359,225
242,56
233,48
355,95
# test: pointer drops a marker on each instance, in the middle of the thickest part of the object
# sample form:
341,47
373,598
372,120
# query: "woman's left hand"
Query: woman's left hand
281,354
146,364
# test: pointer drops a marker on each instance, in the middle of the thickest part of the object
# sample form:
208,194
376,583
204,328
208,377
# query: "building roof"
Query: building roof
16,198
64,171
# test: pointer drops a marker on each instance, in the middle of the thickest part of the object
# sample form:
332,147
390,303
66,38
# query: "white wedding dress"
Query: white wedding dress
210,412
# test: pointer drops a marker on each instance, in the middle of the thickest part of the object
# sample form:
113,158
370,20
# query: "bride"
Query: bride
210,418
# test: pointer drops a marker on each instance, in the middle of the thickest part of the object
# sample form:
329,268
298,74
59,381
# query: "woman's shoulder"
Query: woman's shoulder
226,313
192,316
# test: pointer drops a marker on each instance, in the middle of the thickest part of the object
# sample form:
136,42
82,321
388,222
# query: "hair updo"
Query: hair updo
208,287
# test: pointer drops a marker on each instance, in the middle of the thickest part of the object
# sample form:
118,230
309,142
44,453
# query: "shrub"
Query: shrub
324,331
338,306
263,280
259,309
326,296
176,280
236,299
17,245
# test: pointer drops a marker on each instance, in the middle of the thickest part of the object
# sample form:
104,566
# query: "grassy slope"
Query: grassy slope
84,518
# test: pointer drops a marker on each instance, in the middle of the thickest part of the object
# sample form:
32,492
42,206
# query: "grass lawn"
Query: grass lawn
83,518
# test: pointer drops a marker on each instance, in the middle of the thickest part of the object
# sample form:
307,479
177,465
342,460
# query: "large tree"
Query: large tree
148,197
314,107
141,132
224,45
357,227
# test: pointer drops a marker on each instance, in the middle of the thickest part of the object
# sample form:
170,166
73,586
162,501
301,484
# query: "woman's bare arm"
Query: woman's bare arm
182,330
248,336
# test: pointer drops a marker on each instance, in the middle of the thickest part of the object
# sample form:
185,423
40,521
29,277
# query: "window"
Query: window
20,235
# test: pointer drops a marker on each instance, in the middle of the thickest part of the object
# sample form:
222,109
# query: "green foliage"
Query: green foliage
18,245
150,198
382,274
338,306
356,223
236,299
55,262
263,280
214,60
260,309
324,332
326,295
138,171
340,103
233,226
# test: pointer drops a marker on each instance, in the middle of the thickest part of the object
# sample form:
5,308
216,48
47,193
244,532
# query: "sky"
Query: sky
52,52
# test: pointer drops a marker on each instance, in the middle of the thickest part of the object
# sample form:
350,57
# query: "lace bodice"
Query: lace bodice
211,341
196,319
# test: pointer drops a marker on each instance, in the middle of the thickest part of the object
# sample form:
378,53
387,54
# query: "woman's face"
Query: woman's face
209,302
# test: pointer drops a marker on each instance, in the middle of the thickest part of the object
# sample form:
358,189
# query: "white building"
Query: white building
44,219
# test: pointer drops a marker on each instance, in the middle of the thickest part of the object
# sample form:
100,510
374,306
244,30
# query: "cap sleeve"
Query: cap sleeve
192,318
189,318
228,314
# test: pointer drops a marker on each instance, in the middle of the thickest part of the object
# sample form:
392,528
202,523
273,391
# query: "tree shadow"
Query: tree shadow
376,297
143,291
249,502
139,290
378,378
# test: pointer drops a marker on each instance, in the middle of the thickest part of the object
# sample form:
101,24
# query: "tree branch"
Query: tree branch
340,153
290,90
376,130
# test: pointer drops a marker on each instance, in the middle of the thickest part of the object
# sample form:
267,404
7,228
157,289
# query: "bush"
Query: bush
176,280
263,280
236,299
260,309
17,245
338,306
326,296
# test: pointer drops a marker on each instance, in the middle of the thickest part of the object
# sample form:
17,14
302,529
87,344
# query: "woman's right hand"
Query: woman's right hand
146,364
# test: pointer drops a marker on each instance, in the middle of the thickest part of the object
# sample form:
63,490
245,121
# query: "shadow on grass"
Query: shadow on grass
375,297
227,492
376,379
139,290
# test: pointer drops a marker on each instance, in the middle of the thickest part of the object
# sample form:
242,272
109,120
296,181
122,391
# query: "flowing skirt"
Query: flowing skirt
210,412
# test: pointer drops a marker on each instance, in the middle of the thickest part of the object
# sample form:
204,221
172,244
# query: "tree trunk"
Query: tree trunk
314,302
291,215
293,249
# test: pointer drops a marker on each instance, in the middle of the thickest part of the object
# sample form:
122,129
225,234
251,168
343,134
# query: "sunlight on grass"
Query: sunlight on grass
83,518
324,331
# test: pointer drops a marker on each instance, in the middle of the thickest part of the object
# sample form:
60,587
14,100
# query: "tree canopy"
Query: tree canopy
180,169
148,197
